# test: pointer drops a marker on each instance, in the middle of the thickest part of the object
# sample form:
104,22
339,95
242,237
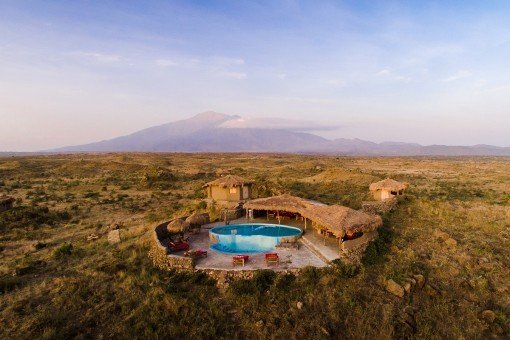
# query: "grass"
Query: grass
56,284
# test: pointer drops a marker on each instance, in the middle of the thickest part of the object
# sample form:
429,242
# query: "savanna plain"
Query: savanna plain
453,227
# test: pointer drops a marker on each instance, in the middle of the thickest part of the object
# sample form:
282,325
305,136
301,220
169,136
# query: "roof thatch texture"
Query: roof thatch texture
335,218
177,226
388,184
197,219
284,202
339,219
229,181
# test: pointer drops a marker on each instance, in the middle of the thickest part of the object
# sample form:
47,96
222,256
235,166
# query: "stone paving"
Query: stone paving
316,254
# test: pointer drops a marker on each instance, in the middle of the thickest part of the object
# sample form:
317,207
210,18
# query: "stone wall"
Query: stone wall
379,207
159,253
352,251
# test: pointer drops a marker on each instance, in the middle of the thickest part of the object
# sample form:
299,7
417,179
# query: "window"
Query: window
233,190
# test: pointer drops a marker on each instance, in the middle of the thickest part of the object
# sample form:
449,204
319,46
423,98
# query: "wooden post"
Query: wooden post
305,223
278,214
267,215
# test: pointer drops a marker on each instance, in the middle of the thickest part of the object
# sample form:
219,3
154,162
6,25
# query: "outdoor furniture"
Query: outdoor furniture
196,253
272,258
240,259
177,246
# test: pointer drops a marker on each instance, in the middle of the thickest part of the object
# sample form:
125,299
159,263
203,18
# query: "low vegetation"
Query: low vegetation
453,228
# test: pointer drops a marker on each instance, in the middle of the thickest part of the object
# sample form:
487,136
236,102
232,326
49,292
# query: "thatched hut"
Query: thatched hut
333,219
283,202
230,188
341,221
198,220
177,226
6,203
387,188
352,230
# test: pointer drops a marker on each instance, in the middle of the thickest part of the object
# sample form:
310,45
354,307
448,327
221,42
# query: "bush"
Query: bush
34,217
63,251
377,249
345,271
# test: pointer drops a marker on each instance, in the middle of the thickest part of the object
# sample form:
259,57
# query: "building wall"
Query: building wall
380,195
223,194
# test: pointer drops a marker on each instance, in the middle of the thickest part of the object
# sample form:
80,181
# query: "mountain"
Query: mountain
216,132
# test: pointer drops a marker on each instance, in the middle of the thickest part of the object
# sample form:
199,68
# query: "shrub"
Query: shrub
345,271
31,216
63,251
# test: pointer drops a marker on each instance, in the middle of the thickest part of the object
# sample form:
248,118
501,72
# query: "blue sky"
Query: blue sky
432,72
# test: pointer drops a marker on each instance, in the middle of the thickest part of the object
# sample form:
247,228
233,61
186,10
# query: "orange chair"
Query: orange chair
272,258
240,259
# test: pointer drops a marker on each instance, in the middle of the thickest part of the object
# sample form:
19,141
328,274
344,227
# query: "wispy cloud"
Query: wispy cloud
457,75
311,100
337,82
386,73
97,57
280,124
227,67
166,62
235,75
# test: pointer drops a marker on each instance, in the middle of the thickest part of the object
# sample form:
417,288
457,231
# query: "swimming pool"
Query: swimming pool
251,237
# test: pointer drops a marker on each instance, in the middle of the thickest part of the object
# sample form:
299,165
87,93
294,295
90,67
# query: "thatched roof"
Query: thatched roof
388,184
228,181
198,219
335,218
6,199
177,226
339,219
283,202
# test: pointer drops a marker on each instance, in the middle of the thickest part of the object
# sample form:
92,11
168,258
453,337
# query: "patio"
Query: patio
313,250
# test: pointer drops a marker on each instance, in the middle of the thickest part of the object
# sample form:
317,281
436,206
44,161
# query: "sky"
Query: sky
430,72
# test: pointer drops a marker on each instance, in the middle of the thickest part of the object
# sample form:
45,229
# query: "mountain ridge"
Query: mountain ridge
205,132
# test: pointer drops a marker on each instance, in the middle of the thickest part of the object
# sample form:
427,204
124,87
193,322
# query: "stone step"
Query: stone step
314,249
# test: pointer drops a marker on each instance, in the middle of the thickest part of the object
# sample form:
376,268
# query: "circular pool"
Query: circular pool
251,237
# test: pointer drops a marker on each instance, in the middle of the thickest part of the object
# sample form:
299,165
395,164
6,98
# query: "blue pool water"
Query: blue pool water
250,238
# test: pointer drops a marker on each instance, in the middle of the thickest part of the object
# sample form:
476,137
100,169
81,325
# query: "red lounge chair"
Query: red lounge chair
240,259
200,253
272,258
177,246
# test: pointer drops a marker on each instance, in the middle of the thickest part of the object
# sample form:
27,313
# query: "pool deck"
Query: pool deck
313,251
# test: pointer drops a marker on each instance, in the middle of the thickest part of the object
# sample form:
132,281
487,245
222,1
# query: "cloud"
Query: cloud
278,123
97,57
457,75
235,75
337,82
166,63
385,73
227,67
281,76
226,61
311,100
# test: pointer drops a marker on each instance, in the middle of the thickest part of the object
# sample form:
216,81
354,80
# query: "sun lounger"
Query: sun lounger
177,246
240,259
272,258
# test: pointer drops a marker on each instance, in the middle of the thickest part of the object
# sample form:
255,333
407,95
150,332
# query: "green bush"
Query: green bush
345,271
63,251
31,217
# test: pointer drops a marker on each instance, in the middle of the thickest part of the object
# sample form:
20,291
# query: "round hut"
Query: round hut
177,226
387,188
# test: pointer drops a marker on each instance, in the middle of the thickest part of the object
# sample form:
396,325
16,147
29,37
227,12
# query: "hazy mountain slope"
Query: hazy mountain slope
148,139
206,132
